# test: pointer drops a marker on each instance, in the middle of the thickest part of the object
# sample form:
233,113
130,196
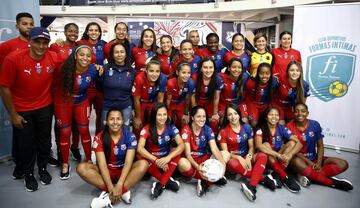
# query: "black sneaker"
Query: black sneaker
201,188
291,185
277,179
249,191
45,177
156,190
65,176
221,182
76,154
18,173
53,162
173,185
30,183
269,182
341,184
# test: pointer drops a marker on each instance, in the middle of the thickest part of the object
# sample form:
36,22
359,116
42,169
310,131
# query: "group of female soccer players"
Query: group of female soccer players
176,108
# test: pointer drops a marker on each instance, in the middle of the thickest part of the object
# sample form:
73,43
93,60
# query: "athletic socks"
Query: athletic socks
279,170
317,177
258,169
234,165
331,170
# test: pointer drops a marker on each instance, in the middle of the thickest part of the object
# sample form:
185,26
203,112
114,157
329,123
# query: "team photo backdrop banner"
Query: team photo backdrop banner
328,37
8,11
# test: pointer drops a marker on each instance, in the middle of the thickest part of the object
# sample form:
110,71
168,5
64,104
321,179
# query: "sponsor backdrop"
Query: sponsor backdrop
8,11
328,38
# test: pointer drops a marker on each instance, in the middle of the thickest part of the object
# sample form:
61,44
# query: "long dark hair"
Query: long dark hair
269,85
263,123
285,33
174,52
126,41
300,94
193,111
153,46
85,36
239,81
233,38
235,108
111,59
106,138
199,81
152,124
68,72
154,61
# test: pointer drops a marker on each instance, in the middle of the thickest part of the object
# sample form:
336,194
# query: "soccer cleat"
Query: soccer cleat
53,162
303,180
45,177
66,175
269,182
221,182
291,184
201,188
30,183
173,185
126,197
18,173
75,154
249,191
341,184
277,179
156,190
102,201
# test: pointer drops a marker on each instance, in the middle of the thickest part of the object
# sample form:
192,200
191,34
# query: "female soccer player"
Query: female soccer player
117,82
115,171
212,51
236,139
71,103
284,54
199,139
310,162
237,51
270,139
145,50
187,55
121,31
259,92
148,89
235,78
166,54
155,150
71,32
260,55
207,92
292,89
179,90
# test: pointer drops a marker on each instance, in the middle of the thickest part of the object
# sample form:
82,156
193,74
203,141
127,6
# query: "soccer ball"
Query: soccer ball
213,169
338,88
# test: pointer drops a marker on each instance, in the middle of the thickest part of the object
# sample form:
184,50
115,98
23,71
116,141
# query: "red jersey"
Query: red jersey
62,52
194,64
165,64
29,80
244,58
178,95
237,143
259,97
282,58
198,143
10,46
141,57
107,48
148,93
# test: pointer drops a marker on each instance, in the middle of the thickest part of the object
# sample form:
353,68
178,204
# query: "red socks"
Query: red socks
315,176
331,170
279,169
258,169
234,165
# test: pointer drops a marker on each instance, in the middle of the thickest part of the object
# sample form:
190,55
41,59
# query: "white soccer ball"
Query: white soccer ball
213,169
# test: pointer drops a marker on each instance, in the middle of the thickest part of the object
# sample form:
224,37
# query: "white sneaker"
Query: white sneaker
303,180
126,197
103,201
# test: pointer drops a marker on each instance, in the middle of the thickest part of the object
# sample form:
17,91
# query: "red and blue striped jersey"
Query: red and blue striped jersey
204,94
148,93
244,58
118,151
141,57
282,134
218,57
308,137
229,92
98,49
178,94
237,143
164,139
261,96
194,64
198,143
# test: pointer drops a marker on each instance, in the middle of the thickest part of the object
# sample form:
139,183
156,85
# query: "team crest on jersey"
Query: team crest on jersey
311,134
88,79
123,147
278,138
218,57
38,68
167,138
58,122
195,65
202,138
150,90
330,70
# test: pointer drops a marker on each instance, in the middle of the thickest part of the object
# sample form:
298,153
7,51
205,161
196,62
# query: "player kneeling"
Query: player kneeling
115,171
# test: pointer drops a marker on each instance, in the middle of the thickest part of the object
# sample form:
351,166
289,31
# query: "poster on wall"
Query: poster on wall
329,46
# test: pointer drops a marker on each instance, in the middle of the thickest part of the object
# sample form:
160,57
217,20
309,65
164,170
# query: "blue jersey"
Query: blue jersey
199,144
285,95
178,95
117,151
161,149
218,57
117,82
276,141
308,137
82,82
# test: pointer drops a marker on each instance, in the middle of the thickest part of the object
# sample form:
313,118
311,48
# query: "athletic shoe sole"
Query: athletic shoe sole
341,179
249,195
66,177
291,190
304,181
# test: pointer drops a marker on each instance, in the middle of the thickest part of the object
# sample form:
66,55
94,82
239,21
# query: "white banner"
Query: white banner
328,37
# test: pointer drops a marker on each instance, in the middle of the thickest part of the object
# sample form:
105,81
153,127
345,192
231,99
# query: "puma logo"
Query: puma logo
27,71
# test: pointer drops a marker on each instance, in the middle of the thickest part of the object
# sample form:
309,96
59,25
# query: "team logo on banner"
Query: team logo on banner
331,72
